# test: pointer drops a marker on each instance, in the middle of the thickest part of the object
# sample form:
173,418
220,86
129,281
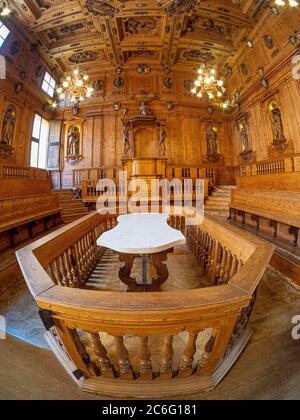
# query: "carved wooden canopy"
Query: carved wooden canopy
95,33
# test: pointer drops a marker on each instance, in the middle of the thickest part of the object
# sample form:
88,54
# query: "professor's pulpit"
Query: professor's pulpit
145,152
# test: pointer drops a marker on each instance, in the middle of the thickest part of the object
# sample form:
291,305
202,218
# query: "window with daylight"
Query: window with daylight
4,32
39,142
49,84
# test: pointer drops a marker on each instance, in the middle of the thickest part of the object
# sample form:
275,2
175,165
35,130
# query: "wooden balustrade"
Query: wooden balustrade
18,181
273,166
105,339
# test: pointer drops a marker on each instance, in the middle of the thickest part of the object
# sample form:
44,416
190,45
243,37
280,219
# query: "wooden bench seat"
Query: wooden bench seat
23,217
277,207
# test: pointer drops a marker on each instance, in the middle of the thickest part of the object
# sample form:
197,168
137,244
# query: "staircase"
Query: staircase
72,209
219,203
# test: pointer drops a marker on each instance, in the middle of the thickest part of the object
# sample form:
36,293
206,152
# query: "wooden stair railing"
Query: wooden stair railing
104,339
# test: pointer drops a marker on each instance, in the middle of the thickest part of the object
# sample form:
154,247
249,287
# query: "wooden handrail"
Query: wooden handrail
233,260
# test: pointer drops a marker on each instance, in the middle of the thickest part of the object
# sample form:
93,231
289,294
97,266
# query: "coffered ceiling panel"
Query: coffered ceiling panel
111,33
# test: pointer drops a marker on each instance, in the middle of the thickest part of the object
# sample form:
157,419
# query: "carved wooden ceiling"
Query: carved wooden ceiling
98,34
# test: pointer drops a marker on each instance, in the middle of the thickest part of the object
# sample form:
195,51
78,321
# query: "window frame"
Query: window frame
38,140
49,86
5,40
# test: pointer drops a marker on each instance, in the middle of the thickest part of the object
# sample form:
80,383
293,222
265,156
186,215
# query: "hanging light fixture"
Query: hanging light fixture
4,9
208,86
75,87
292,3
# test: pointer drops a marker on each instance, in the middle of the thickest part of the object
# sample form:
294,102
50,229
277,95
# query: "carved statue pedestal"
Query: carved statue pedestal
73,159
246,155
6,151
214,158
280,145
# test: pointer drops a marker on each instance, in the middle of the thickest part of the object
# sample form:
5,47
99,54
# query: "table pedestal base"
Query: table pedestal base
162,272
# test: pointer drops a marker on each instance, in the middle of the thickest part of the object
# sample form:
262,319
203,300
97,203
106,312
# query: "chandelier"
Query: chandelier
75,87
4,9
207,85
292,3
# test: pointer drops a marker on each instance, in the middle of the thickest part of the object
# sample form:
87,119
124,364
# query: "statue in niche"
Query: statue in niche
162,138
126,133
212,143
8,126
279,140
73,141
244,136
243,129
211,137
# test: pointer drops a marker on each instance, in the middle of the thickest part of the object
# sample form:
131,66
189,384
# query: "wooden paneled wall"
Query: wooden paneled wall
27,68
276,65
186,123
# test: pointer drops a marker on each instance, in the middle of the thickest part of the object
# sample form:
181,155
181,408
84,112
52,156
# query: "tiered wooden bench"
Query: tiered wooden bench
274,212
23,217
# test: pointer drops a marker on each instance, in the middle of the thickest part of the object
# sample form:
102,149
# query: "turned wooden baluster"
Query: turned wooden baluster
228,266
57,271
92,368
74,272
63,271
234,267
201,245
51,271
219,261
79,263
68,266
101,353
88,252
186,366
209,348
166,361
223,265
203,250
145,362
123,359
209,255
213,268
83,260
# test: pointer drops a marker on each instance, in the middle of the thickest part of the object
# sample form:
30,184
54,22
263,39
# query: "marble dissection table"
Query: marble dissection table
145,235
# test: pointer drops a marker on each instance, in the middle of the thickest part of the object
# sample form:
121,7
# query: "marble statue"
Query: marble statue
8,126
74,141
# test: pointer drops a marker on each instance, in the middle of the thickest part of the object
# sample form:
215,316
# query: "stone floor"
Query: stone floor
184,272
